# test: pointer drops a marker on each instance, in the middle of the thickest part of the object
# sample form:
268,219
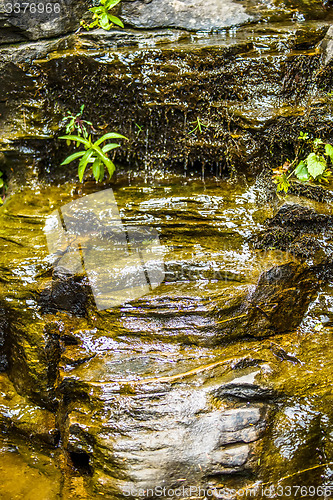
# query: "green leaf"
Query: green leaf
93,24
1,183
329,151
87,156
104,22
97,10
110,146
75,138
81,170
102,172
110,135
316,165
301,172
96,169
116,20
282,183
73,157
84,162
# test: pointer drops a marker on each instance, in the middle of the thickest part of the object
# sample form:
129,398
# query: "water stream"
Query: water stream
169,387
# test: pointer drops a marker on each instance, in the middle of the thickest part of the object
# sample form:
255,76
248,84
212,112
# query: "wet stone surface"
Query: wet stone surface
253,89
22,21
192,384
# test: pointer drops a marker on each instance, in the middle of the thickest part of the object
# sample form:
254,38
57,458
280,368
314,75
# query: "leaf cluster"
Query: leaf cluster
76,123
102,16
94,154
312,163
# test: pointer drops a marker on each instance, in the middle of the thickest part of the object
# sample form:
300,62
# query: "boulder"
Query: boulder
186,14
299,230
280,299
207,15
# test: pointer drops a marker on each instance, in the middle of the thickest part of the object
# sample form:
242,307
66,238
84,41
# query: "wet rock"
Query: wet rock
65,293
324,76
243,133
3,334
300,230
146,392
245,387
131,442
38,21
327,46
19,416
281,299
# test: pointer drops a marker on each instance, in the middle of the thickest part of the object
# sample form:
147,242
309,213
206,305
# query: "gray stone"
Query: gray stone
327,46
207,15
187,14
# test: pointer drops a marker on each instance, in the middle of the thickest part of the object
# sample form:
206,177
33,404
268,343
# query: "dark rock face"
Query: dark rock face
33,21
212,14
65,293
221,83
300,230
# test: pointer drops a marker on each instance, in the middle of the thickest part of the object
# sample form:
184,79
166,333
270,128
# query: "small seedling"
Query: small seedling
140,129
198,126
102,18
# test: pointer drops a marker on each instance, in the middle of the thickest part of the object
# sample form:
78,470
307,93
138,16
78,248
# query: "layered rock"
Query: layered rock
156,96
22,21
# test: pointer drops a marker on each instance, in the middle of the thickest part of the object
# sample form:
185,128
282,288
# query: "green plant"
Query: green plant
2,185
140,129
312,162
94,154
198,126
102,16
76,123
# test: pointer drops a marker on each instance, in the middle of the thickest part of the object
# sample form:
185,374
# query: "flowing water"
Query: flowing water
147,383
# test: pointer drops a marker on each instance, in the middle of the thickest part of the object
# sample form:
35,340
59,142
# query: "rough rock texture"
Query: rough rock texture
198,383
155,96
188,14
303,232
3,334
212,14
24,21
178,385
281,299
19,416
